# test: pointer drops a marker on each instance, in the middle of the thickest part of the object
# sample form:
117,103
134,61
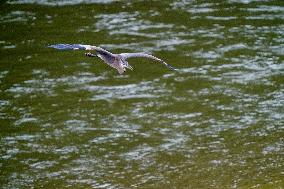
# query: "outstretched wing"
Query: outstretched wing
144,55
81,47
69,46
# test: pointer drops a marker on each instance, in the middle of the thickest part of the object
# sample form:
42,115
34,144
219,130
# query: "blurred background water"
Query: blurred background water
69,121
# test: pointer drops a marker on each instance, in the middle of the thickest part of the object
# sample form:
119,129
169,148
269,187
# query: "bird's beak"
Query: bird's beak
129,67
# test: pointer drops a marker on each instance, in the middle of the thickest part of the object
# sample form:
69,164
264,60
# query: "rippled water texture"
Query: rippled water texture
70,121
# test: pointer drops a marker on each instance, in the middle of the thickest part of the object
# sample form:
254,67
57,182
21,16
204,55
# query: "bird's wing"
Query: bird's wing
81,47
144,55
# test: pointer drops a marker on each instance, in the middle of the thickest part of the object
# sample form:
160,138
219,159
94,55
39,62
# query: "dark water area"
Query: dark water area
70,121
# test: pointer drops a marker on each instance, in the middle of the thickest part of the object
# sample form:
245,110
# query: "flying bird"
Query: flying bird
117,61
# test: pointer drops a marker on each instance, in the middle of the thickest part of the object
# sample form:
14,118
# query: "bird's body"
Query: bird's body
117,61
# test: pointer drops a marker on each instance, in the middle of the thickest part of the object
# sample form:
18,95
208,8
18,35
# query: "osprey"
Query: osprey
117,61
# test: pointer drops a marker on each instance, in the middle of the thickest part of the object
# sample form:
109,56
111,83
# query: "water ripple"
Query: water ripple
193,7
130,91
18,16
59,3
132,25
46,86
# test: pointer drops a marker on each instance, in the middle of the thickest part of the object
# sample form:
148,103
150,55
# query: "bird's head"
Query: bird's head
125,64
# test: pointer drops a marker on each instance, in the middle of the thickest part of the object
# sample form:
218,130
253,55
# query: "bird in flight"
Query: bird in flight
117,61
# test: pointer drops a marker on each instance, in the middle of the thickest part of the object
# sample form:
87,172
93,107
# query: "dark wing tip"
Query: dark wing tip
68,46
170,66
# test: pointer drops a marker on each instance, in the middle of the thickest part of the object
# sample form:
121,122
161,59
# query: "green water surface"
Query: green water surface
70,121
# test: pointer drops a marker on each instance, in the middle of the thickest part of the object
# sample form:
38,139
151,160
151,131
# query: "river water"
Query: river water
70,121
